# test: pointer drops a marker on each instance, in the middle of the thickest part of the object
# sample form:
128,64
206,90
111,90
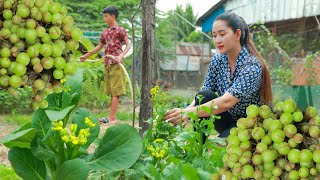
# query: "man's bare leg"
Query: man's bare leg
113,109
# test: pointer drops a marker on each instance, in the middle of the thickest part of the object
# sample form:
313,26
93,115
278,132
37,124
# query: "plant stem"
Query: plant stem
50,172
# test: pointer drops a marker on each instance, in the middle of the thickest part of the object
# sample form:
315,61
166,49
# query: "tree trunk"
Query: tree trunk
148,61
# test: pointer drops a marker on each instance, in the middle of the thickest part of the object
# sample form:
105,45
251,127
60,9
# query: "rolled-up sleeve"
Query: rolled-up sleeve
102,38
248,82
210,82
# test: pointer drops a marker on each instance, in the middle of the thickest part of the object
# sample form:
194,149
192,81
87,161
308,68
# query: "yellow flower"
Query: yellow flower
63,132
73,128
75,141
154,91
158,141
57,126
64,80
72,137
65,138
82,139
162,152
91,125
88,121
67,89
165,147
84,132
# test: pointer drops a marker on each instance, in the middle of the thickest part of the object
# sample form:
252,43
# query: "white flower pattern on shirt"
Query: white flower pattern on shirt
244,83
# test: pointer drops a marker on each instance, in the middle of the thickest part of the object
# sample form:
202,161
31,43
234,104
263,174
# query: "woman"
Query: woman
238,74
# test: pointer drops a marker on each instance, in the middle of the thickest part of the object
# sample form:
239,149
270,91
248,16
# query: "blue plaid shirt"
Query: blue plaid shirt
244,83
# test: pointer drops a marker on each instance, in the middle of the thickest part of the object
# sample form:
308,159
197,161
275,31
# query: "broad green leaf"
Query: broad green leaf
75,169
135,172
66,100
26,165
173,171
23,127
7,173
58,115
54,101
41,122
189,172
39,151
185,136
119,149
20,139
75,84
79,117
204,175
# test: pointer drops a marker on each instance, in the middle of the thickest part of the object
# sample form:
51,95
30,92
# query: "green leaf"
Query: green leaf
206,109
38,150
204,175
26,165
189,172
41,122
79,117
23,127
73,169
20,139
193,115
53,100
119,149
185,136
58,115
173,171
7,173
75,84
66,100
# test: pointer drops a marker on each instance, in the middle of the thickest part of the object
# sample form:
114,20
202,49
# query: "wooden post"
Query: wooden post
148,61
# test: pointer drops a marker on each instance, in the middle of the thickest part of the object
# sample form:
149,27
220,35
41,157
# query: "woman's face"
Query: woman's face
224,38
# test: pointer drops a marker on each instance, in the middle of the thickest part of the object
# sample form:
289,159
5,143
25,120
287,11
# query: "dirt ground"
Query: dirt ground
5,129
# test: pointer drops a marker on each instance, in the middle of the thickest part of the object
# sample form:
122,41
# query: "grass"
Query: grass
18,119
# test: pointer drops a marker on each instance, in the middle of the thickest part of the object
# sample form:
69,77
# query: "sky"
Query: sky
199,6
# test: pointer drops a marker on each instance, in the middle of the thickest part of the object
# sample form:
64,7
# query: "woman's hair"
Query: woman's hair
236,22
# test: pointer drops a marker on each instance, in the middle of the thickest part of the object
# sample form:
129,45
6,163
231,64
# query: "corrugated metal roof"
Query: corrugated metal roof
255,11
188,57
182,63
194,49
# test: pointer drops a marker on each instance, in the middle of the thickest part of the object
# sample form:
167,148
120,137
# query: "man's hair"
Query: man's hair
113,10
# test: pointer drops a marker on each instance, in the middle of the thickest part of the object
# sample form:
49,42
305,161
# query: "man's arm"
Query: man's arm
128,46
93,51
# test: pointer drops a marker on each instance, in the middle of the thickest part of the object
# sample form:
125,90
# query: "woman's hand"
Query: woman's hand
175,116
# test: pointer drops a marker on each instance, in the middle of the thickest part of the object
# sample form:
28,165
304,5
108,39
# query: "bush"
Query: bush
93,96
11,104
